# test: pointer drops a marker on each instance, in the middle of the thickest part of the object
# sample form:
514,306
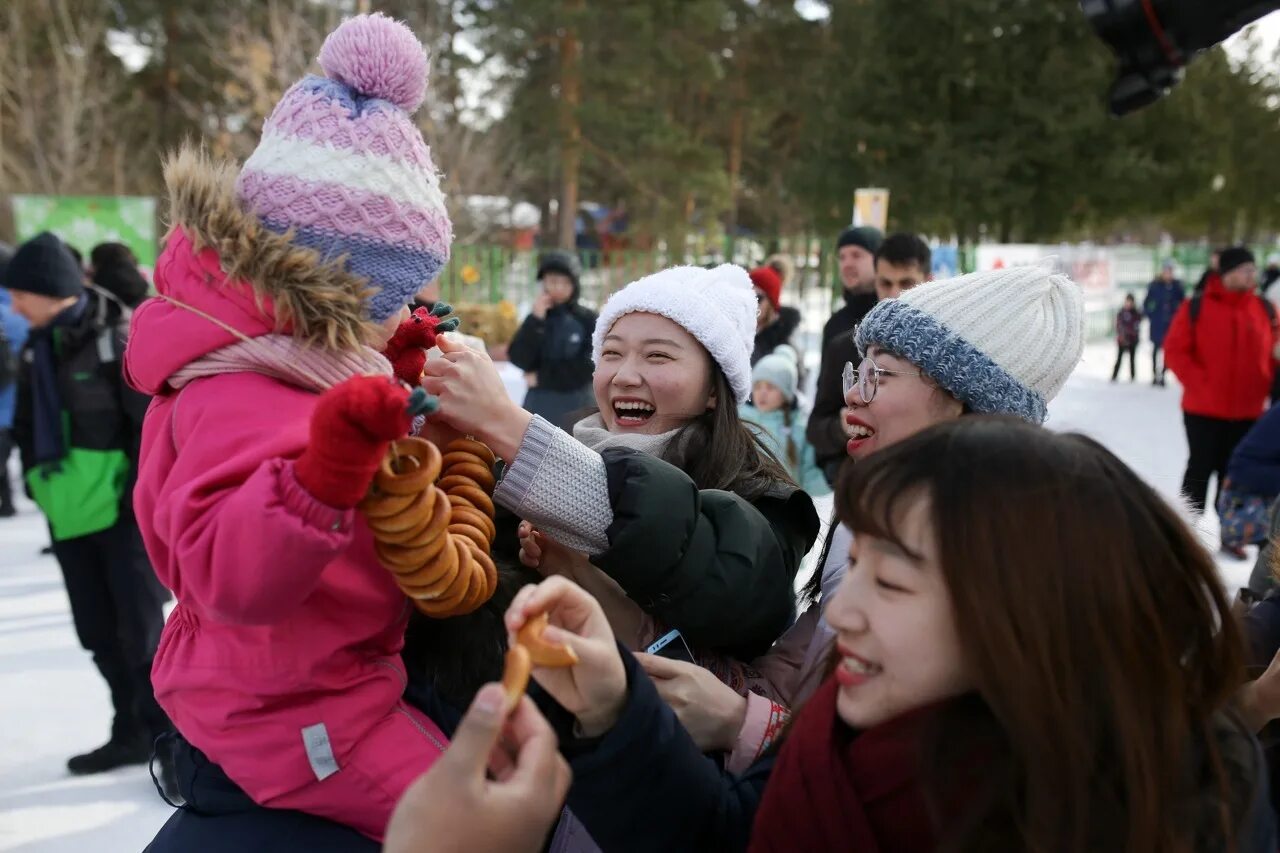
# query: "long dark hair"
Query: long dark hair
719,451
1098,636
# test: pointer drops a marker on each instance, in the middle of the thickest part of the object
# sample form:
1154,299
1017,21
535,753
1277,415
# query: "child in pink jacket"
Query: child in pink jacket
272,411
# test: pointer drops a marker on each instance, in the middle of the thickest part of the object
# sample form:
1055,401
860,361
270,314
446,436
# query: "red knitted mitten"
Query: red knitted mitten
407,349
350,430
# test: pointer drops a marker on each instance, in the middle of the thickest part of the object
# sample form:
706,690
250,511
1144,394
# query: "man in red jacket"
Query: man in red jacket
1221,347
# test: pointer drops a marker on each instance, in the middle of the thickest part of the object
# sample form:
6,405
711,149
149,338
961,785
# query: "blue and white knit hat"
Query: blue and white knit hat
1002,341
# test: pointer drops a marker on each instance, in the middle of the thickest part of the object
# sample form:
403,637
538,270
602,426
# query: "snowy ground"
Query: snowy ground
53,704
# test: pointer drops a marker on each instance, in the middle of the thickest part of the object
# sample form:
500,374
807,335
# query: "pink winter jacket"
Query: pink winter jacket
284,620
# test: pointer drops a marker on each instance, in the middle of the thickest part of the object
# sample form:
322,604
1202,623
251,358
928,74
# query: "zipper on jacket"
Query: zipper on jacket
417,725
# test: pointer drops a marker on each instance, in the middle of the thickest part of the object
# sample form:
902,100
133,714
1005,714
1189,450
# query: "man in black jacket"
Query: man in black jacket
553,345
78,428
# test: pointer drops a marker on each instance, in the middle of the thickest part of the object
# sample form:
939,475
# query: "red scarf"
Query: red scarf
836,789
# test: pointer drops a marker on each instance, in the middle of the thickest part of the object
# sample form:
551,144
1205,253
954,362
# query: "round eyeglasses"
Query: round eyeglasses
866,378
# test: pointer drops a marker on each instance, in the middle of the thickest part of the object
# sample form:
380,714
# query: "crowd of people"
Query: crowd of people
1009,640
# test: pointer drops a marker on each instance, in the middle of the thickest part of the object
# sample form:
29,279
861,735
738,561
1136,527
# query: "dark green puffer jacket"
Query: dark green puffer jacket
718,567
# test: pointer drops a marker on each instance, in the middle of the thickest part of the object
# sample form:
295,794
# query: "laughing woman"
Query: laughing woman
664,489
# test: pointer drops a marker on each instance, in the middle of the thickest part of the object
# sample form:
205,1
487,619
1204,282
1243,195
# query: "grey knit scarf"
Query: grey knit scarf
592,432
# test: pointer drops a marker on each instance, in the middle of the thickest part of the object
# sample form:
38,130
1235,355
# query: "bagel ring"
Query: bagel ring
423,531
470,445
456,481
443,606
424,571
490,579
384,506
475,496
426,458
460,457
429,582
469,532
408,519
477,473
474,517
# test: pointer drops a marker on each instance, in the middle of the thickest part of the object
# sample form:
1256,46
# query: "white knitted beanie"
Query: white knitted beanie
717,306
1002,341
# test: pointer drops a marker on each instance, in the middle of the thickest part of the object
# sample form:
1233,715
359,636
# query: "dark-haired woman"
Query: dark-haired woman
998,342
1033,652
665,489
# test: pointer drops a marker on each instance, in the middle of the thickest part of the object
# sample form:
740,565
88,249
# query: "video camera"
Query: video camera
1155,39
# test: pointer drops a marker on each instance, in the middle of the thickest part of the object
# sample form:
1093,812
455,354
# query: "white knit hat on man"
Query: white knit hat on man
1002,341
717,306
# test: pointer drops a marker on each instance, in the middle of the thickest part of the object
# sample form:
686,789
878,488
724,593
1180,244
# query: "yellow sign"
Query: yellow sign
871,207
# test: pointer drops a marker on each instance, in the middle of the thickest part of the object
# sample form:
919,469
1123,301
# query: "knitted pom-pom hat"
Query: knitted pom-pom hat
1003,341
343,168
717,306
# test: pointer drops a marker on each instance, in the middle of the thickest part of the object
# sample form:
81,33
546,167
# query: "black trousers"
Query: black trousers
1130,349
6,448
1210,441
116,607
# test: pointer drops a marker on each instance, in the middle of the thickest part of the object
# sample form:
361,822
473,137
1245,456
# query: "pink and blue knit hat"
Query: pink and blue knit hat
342,166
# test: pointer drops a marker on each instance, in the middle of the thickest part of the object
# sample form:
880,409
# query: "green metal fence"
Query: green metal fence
489,274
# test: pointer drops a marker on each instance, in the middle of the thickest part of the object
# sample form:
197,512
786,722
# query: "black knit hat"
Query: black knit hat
1236,256
560,262
861,235
43,265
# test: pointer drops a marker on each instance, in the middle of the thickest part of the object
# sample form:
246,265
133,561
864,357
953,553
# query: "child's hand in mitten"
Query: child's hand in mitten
350,429
407,349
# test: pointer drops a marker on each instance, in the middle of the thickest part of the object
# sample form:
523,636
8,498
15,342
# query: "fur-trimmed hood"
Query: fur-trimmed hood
222,270
320,301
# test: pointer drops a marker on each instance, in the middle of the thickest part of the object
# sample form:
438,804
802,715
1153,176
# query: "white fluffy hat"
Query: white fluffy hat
717,306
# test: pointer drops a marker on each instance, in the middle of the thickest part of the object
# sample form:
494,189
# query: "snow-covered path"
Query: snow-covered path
53,704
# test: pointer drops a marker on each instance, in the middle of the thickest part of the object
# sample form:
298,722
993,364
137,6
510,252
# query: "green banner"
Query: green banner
86,221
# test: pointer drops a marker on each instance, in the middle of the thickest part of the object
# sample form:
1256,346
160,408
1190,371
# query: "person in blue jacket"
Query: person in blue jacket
774,410
1251,486
13,331
1164,295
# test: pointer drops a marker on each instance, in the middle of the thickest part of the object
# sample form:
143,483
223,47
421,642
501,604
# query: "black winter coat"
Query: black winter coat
718,567
103,412
776,333
825,431
645,786
558,348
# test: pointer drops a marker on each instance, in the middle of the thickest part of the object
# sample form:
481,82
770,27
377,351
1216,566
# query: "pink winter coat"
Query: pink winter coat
285,619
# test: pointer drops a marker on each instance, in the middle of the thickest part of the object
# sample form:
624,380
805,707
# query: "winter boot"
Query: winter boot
128,745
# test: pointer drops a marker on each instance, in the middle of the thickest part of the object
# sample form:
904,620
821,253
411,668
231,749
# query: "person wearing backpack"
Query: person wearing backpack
78,427
13,333
1221,346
